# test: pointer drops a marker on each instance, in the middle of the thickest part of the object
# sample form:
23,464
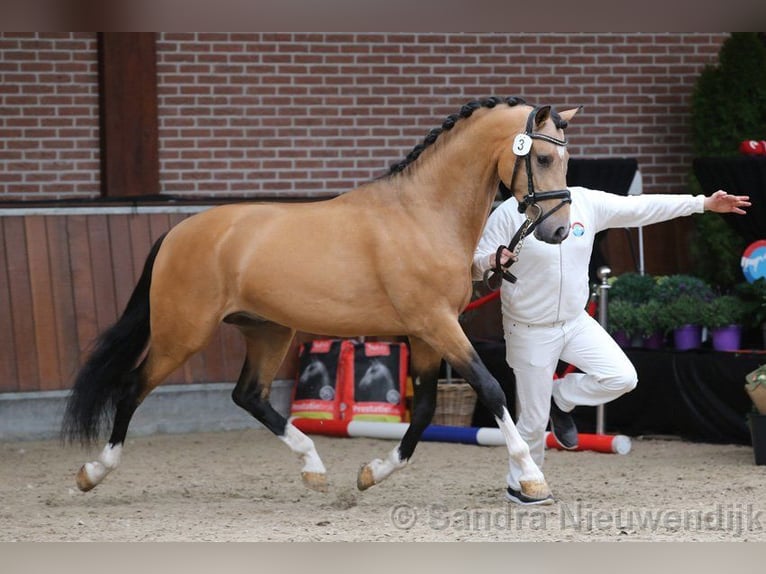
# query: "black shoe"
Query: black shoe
563,428
520,498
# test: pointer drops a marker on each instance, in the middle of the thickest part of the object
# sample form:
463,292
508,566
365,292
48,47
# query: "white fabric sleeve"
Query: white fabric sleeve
498,231
638,210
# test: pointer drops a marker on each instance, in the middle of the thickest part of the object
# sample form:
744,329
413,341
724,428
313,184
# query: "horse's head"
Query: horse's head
534,169
315,370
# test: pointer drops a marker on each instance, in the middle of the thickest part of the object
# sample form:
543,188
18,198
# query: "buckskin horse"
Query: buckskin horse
390,258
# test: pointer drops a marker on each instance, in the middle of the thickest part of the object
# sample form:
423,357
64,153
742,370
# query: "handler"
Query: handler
544,316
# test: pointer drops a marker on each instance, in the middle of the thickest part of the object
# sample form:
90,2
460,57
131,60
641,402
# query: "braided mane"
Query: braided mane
465,112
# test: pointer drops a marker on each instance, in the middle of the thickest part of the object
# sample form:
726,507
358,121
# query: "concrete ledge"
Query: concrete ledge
169,409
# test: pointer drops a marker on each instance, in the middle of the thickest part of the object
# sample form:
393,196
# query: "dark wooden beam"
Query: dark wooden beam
128,106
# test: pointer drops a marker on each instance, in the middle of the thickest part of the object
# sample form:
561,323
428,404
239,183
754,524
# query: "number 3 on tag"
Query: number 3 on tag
522,143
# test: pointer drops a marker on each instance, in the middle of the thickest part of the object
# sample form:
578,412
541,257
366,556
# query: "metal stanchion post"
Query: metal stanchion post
603,300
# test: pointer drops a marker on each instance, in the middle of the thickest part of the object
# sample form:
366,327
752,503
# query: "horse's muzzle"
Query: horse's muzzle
556,235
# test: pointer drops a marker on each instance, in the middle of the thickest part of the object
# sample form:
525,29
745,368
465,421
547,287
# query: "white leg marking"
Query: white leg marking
303,446
108,460
518,449
383,468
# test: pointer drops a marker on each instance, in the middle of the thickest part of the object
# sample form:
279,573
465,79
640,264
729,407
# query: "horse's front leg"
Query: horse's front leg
447,337
424,367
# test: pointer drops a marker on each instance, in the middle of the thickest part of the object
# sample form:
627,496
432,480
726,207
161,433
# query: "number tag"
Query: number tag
522,144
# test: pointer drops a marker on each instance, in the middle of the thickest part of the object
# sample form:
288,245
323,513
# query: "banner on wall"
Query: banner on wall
754,261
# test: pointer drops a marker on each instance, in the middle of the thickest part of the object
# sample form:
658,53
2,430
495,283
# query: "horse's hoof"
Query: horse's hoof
84,482
365,479
537,490
315,481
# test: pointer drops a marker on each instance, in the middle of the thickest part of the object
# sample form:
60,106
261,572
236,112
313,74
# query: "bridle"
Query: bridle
522,147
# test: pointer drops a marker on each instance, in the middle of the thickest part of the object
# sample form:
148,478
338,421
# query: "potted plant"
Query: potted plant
683,298
632,287
670,287
651,323
723,317
684,319
630,293
621,323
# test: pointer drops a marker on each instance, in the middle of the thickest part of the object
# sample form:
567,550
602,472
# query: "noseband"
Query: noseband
522,147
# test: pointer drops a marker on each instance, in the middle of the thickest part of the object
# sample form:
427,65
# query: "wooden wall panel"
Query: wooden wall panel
8,373
102,262
66,278
141,243
122,260
82,282
19,290
63,299
42,310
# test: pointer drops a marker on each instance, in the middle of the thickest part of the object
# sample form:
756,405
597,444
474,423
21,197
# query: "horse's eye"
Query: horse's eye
544,160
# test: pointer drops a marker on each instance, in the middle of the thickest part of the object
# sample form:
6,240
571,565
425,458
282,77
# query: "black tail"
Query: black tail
102,380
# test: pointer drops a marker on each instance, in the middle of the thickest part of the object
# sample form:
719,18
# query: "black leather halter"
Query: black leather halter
522,146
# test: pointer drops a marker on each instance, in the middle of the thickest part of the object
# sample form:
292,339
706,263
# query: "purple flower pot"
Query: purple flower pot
621,338
727,338
654,341
687,337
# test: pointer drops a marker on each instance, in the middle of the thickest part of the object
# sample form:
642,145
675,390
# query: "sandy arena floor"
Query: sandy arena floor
245,486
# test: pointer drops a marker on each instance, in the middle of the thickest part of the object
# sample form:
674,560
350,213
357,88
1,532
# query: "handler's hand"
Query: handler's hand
722,202
505,256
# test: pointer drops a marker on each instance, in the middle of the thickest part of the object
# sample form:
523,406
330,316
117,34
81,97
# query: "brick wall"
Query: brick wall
49,141
309,114
314,113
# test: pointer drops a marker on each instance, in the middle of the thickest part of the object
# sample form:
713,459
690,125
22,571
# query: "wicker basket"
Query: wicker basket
455,403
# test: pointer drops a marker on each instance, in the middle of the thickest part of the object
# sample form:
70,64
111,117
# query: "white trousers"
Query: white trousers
533,352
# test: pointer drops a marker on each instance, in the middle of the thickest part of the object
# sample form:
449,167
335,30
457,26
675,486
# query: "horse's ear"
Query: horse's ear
542,115
567,115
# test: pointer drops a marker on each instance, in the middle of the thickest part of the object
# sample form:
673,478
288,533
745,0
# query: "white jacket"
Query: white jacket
553,279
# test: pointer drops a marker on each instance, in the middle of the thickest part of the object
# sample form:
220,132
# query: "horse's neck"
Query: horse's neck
452,190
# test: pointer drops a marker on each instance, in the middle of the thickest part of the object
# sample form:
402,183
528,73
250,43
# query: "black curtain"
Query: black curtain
742,175
698,395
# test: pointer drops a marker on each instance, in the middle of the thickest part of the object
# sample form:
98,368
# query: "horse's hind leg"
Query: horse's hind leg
425,363
267,345
138,384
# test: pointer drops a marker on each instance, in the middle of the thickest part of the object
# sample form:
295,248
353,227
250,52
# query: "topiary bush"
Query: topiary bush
729,99
728,105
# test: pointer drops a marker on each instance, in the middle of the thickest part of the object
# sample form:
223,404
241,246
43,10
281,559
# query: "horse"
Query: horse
391,257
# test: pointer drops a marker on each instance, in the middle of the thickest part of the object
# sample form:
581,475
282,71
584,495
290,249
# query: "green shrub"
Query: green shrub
716,250
684,310
622,316
723,311
728,105
632,287
671,287
729,99
753,296
650,318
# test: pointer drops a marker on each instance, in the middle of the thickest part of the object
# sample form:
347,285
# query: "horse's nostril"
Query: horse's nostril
561,233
